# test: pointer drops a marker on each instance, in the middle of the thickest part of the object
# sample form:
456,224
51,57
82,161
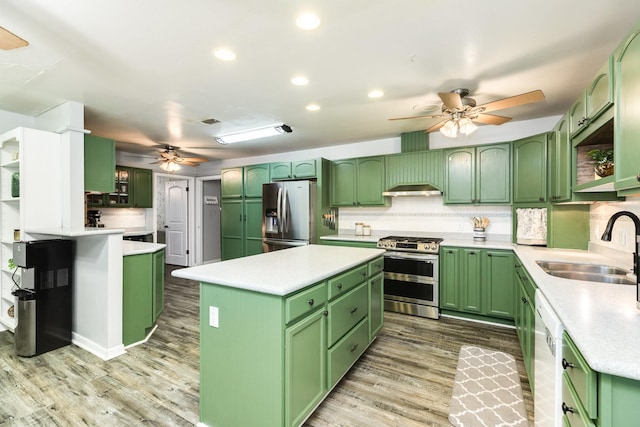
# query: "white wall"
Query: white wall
624,233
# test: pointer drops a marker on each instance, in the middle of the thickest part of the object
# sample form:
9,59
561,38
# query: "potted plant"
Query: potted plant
603,161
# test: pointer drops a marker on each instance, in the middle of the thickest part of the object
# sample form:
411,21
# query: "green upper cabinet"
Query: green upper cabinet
594,101
302,169
478,175
142,188
560,162
254,177
99,164
120,198
358,182
420,167
530,169
627,123
231,181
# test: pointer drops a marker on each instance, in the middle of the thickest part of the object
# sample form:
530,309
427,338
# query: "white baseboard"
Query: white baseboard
98,350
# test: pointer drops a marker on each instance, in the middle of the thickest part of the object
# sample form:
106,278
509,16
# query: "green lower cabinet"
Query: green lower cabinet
594,398
142,294
376,305
305,366
477,282
524,318
278,353
348,243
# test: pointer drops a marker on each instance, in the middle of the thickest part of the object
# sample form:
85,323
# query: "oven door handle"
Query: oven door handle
395,255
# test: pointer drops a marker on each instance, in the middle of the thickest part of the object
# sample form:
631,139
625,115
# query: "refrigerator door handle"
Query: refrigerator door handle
279,209
285,211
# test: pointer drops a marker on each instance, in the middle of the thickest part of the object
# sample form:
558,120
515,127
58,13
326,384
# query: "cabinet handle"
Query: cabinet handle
566,408
363,274
489,254
353,310
638,177
524,300
472,253
311,301
353,348
541,199
339,286
326,313
565,364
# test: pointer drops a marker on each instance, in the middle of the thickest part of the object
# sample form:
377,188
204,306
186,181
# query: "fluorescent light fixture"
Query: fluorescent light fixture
253,134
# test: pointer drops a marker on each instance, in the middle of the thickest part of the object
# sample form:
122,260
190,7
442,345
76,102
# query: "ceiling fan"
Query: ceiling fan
459,112
171,160
9,41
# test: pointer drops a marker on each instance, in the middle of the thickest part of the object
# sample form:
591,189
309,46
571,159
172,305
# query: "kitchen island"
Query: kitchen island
279,330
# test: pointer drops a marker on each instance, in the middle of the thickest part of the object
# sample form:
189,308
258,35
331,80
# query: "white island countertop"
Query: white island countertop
281,272
130,247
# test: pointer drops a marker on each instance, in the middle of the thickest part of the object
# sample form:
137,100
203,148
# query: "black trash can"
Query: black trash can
25,331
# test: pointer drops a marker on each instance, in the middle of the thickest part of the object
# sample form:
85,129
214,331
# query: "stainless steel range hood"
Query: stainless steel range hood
417,190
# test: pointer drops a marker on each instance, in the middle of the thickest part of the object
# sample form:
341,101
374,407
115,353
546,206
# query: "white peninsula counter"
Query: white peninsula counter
280,329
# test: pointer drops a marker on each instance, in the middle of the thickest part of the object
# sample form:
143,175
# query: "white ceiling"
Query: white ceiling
145,73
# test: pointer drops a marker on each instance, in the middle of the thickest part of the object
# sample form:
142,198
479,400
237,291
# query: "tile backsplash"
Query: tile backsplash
624,232
427,215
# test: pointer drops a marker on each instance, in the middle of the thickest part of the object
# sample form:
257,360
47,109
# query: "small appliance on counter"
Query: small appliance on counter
93,218
44,295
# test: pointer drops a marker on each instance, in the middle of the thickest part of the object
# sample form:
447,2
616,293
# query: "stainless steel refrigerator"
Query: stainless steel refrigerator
289,210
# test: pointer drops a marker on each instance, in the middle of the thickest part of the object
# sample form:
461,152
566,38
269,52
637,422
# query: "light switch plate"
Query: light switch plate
213,317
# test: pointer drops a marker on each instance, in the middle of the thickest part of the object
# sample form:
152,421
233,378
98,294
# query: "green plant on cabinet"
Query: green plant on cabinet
477,175
358,182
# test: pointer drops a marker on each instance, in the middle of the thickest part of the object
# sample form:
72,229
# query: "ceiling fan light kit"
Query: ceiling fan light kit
172,161
253,134
170,166
459,112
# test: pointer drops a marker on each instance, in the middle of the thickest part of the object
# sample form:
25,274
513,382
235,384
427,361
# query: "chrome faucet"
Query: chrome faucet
606,236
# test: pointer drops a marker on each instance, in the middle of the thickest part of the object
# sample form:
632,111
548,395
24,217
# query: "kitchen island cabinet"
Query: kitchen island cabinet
279,329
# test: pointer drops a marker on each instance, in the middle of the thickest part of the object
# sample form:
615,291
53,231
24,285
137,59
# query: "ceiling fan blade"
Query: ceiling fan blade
451,100
513,101
155,163
436,126
9,41
192,159
166,155
189,163
491,119
439,116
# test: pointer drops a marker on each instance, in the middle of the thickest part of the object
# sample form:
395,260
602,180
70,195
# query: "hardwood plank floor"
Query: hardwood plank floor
404,379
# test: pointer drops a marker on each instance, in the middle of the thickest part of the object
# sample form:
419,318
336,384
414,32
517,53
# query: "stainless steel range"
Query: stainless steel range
411,275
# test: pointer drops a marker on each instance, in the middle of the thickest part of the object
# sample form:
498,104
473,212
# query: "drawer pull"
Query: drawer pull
566,408
326,313
363,274
311,301
524,300
353,310
353,348
566,364
339,286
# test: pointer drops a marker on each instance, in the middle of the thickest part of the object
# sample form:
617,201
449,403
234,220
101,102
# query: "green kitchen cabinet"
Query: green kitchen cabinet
99,164
593,102
302,169
559,162
142,188
142,294
254,176
358,182
274,351
477,175
376,304
232,182
627,124
530,169
525,317
421,167
241,227
477,282
305,366
121,197
498,283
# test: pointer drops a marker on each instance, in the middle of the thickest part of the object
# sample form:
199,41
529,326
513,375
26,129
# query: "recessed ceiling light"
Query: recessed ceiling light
308,21
224,54
313,107
300,80
376,93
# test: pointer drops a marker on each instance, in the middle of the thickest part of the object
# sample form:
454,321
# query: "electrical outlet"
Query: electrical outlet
213,317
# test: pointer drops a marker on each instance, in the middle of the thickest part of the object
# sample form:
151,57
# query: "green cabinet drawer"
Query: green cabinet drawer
574,413
376,266
346,311
344,354
305,302
582,377
343,283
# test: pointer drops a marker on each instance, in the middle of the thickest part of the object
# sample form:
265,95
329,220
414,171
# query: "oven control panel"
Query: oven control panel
409,246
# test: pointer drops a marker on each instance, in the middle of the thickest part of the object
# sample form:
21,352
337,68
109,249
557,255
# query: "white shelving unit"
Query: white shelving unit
35,156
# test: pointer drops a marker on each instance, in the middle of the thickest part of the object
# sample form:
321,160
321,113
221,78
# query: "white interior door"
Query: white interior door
176,226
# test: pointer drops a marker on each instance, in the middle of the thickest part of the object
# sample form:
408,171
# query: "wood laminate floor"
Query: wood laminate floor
404,379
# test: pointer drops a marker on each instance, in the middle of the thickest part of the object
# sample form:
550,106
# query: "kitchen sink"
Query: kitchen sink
588,272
